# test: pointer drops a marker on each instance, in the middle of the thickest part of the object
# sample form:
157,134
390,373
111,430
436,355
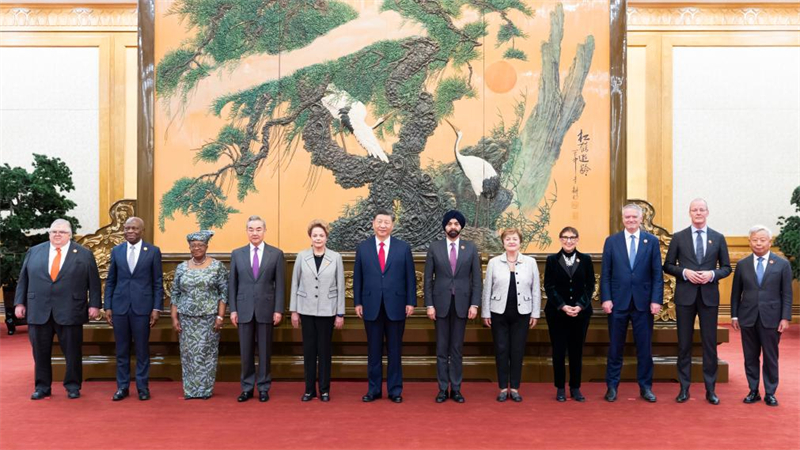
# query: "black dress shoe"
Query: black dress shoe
325,397
611,394
144,394
456,395
683,395
561,395
370,398
515,396
73,394
752,397
576,395
648,395
441,396
712,398
308,396
770,400
120,394
502,396
396,398
245,396
38,395
263,396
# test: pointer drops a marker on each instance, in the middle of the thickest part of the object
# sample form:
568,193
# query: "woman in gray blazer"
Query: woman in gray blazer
511,304
317,303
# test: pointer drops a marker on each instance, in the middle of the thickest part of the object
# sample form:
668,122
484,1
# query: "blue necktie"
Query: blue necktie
632,252
698,247
760,270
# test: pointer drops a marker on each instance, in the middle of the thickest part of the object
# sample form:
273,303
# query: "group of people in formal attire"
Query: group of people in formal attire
59,290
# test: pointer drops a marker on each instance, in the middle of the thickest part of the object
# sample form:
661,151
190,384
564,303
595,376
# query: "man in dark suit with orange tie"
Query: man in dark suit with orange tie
134,297
761,307
693,256
56,280
384,294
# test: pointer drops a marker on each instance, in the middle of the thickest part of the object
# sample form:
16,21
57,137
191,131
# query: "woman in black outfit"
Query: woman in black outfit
569,285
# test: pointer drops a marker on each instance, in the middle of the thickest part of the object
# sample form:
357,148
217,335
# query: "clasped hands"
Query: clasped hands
571,311
698,277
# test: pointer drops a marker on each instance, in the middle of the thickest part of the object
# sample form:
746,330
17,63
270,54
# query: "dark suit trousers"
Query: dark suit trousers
317,337
708,335
642,322
755,340
250,334
70,338
126,327
449,348
567,334
509,332
392,331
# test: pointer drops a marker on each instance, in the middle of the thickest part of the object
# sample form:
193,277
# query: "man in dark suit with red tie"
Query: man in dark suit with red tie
761,307
384,294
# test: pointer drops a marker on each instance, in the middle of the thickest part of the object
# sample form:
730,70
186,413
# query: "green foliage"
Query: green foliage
227,31
789,238
514,53
202,198
448,91
508,31
30,202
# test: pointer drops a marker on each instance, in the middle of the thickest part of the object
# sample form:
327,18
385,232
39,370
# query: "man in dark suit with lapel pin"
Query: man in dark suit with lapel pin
134,297
693,258
631,290
761,307
255,297
453,281
56,279
384,294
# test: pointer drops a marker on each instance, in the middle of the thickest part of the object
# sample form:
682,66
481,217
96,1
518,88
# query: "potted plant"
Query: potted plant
29,203
789,238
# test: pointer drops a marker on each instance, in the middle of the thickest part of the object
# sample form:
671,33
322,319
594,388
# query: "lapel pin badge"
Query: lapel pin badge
710,242
645,241
772,261
74,250
577,260
462,247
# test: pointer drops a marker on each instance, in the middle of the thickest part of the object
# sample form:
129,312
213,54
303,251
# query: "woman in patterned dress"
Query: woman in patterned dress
199,295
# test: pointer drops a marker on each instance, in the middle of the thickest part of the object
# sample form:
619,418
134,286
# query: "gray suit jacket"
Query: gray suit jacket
771,302
317,293
440,280
681,256
260,297
65,298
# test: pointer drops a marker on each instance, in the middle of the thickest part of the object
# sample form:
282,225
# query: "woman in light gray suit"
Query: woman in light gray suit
317,303
511,306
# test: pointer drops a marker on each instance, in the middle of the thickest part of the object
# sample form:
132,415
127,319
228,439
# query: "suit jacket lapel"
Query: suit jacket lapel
262,263
389,256
143,254
244,258
563,263
326,262
461,259
640,247
768,263
444,252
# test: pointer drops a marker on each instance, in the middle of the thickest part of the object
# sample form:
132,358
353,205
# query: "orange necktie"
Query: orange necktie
56,265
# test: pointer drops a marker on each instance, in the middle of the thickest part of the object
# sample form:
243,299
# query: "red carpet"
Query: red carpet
167,421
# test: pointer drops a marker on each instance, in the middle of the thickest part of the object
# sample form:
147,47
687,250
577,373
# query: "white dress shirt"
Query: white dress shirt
260,254
449,242
52,256
704,236
137,247
385,246
628,242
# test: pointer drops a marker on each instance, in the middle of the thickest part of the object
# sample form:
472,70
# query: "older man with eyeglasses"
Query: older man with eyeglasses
56,280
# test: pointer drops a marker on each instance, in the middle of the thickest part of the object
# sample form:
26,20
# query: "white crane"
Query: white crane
481,175
353,115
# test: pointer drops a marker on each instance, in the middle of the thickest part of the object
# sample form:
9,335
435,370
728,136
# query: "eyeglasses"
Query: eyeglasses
569,238
61,232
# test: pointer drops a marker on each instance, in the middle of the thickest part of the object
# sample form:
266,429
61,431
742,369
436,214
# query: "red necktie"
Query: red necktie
382,257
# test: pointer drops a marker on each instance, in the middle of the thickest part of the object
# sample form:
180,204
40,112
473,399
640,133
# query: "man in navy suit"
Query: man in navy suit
631,289
56,280
384,294
134,297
